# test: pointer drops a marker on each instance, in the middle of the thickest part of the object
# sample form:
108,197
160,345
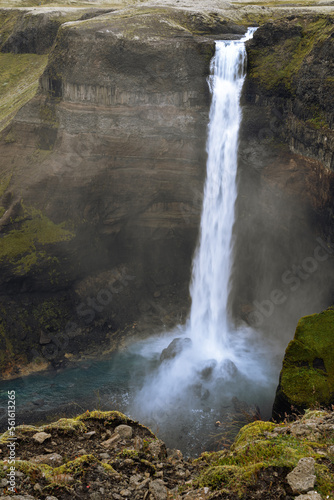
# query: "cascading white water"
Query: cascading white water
196,384
208,323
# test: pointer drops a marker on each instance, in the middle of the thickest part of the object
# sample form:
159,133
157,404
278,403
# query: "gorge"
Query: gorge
102,174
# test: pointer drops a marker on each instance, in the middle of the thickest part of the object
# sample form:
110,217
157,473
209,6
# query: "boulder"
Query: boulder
307,375
124,431
302,478
175,347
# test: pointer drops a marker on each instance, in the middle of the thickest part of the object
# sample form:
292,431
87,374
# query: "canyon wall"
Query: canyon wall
285,204
102,171
102,174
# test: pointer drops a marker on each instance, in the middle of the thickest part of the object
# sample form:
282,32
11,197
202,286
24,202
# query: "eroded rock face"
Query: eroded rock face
291,68
116,140
285,179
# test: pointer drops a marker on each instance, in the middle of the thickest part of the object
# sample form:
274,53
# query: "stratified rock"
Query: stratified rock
284,79
302,478
116,140
307,376
175,347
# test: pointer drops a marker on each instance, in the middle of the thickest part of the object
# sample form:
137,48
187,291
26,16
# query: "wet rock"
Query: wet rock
207,369
302,478
40,437
175,347
124,431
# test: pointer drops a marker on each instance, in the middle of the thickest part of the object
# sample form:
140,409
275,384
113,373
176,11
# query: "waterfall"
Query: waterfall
208,361
208,323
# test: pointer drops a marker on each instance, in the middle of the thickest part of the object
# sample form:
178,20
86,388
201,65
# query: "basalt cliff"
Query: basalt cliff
102,164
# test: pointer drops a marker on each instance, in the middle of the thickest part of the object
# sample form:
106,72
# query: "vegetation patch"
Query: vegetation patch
24,247
19,75
275,65
260,446
307,376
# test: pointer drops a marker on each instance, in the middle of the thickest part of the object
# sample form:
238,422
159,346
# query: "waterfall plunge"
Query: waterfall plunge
218,361
212,263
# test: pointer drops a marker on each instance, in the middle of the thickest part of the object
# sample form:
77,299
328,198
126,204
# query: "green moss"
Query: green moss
125,453
254,429
24,247
307,377
318,120
65,426
276,65
76,466
19,74
257,447
108,417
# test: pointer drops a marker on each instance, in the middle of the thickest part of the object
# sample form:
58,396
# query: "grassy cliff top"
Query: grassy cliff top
233,9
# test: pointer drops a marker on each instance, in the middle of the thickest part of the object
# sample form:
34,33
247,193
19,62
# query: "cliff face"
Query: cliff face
286,175
291,68
102,174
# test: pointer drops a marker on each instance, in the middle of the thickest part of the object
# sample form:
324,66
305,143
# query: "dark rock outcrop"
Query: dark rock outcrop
291,70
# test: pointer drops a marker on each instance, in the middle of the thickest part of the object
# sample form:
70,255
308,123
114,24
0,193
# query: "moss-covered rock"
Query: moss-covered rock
307,376
263,450
289,73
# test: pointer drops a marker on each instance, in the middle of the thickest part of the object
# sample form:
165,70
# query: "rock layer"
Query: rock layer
110,157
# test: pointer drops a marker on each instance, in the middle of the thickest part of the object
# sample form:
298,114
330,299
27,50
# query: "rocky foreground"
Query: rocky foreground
106,455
